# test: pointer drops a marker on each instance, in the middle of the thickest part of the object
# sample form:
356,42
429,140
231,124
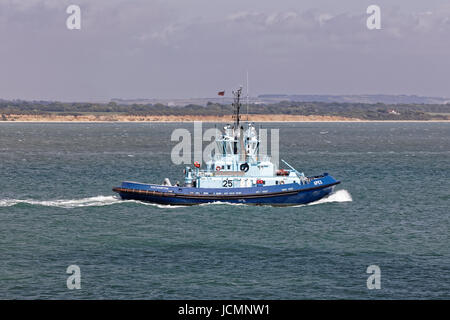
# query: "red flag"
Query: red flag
221,93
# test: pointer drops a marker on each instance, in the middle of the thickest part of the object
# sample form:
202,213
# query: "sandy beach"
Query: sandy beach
188,118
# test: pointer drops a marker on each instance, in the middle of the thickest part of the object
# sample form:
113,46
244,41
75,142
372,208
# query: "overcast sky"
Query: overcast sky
194,48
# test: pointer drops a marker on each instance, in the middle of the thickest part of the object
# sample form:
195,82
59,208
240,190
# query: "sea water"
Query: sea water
57,209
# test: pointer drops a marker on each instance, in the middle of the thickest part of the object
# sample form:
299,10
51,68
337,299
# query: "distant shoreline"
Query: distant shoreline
191,118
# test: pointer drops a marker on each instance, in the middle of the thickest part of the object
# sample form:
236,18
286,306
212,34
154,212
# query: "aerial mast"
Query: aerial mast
237,107
247,95
238,129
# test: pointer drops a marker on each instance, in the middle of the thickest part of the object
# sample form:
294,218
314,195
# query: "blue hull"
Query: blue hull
278,195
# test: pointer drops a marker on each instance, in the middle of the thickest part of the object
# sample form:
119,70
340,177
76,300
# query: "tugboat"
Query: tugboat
237,175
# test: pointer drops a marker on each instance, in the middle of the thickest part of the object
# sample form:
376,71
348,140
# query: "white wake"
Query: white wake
100,201
338,196
62,203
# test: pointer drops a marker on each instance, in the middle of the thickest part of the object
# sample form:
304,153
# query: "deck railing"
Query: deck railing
237,157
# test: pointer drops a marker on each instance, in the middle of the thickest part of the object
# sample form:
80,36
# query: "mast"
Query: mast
238,129
247,95
237,107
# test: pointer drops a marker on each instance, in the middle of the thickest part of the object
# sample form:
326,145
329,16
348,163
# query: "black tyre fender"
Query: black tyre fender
244,167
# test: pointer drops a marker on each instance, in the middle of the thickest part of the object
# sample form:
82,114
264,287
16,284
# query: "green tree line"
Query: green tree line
366,111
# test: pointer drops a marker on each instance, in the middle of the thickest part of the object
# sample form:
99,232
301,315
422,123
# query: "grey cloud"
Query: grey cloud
168,49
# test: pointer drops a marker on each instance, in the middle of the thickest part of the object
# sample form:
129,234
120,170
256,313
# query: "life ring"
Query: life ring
196,164
218,168
244,167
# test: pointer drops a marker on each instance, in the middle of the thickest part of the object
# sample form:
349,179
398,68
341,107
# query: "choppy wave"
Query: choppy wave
100,201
